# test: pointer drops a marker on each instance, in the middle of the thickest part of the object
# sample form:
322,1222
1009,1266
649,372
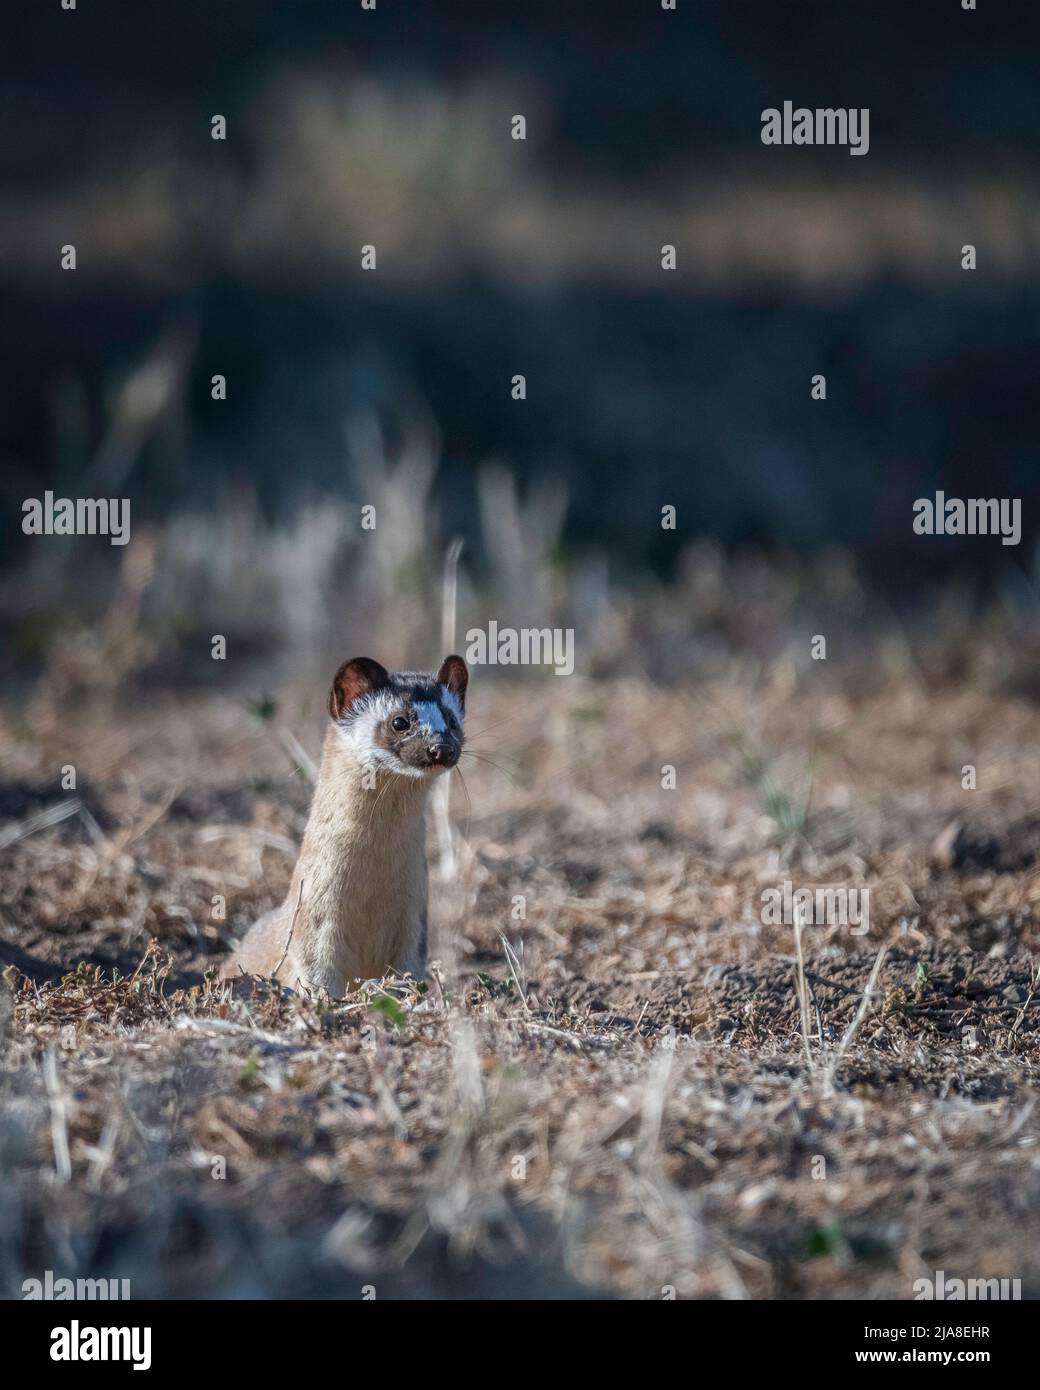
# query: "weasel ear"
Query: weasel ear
454,675
354,679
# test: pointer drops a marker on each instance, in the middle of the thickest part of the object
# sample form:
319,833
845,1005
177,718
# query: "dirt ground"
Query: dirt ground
614,1083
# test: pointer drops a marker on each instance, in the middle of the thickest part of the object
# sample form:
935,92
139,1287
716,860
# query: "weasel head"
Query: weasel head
406,722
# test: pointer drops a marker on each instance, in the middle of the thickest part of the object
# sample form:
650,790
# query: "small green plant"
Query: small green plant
264,708
588,714
496,988
788,813
250,1070
826,1240
388,1007
832,1240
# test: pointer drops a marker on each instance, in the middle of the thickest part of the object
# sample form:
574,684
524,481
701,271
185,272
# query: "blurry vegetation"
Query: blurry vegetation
499,257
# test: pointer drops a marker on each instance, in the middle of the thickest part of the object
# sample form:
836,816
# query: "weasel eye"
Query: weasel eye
399,724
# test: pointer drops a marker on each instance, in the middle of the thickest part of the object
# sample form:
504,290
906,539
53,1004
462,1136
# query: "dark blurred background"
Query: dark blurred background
496,257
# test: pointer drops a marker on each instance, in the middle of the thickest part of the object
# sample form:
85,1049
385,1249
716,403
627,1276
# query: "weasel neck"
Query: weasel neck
354,805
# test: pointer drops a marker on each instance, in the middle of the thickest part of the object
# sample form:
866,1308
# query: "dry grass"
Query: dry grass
617,1093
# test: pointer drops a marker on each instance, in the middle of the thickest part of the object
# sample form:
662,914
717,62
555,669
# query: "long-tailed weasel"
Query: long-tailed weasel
356,906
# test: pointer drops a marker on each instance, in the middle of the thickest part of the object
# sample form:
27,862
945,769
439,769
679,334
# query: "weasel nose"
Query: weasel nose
442,753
